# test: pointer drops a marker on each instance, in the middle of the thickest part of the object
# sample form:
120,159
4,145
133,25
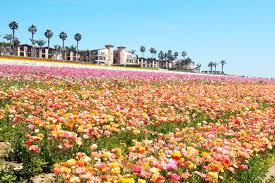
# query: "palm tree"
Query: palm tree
33,41
70,48
8,37
170,55
57,47
77,37
32,29
142,50
211,64
48,34
40,43
222,62
63,36
183,54
161,55
13,26
176,54
153,52
215,65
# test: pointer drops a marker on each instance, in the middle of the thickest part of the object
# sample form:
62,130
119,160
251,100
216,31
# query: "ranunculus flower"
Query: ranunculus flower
35,149
28,143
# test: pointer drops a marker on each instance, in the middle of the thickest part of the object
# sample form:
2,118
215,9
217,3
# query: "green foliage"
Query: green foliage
8,176
258,166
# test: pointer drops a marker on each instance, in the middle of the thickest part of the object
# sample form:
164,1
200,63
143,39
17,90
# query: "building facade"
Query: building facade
26,50
109,56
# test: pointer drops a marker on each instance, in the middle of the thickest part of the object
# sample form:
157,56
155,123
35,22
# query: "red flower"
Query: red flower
28,143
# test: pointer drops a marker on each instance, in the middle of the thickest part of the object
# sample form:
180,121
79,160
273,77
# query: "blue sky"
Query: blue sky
242,32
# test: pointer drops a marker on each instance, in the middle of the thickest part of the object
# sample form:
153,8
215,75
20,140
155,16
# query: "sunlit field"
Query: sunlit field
114,125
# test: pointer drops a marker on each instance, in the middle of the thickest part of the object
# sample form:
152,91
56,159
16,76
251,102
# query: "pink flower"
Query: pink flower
35,149
174,177
137,169
31,127
171,165
107,133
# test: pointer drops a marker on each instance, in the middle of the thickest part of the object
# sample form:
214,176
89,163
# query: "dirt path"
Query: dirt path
271,173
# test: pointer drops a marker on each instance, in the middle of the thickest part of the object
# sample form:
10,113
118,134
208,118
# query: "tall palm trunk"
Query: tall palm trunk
76,50
32,37
48,43
63,49
10,44
222,67
13,41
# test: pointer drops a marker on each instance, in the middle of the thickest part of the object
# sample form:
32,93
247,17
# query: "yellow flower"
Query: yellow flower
67,170
116,170
214,175
141,181
78,142
205,154
176,155
154,170
192,166
114,165
127,180
70,162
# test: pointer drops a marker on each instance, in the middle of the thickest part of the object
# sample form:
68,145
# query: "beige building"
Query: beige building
122,56
154,63
26,50
109,55
103,55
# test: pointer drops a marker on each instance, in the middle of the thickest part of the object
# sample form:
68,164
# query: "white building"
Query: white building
110,56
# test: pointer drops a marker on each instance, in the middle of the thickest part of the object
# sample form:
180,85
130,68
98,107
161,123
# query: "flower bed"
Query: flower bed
107,125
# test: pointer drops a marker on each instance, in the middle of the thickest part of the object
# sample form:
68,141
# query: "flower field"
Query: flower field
112,125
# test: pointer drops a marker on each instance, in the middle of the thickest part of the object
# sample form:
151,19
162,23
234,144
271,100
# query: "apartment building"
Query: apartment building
109,55
26,50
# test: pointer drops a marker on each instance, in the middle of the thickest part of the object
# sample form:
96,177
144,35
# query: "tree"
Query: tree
155,52
32,29
161,55
170,56
8,37
71,48
183,54
165,56
133,51
33,41
176,54
40,43
63,36
13,26
77,37
57,47
48,34
142,50
215,65
211,64
222,62
152,51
